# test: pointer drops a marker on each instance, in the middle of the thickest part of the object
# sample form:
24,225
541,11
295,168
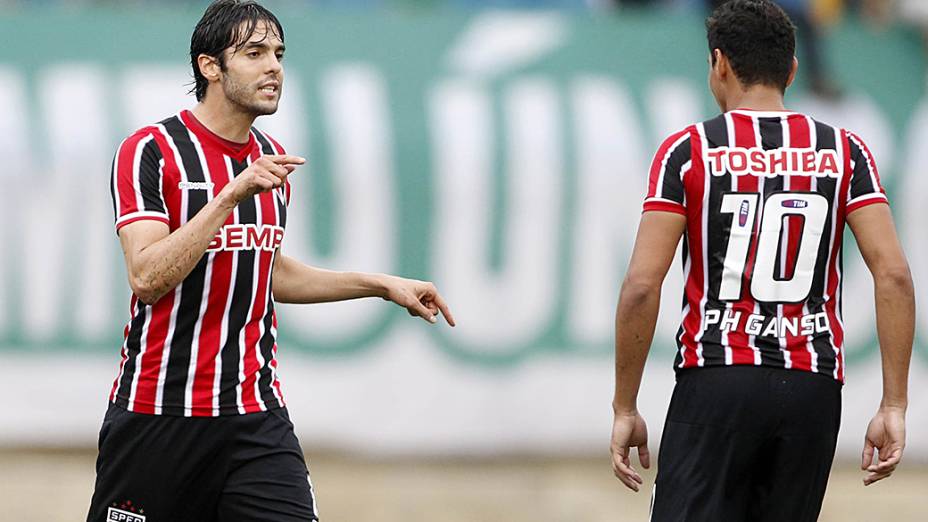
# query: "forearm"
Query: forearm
295,282
895,322
635,320
161,266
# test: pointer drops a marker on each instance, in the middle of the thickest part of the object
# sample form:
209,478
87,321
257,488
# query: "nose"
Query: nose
274,65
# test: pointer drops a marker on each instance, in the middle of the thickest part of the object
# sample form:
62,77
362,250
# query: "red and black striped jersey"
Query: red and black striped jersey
208,347
765,195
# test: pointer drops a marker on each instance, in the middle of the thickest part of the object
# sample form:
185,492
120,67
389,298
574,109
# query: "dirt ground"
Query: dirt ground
55,486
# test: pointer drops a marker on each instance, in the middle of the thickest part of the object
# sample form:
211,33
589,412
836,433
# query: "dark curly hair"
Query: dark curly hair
757,37
226,23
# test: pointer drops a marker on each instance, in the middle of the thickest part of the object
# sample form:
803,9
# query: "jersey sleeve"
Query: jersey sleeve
136,181
864,187
665,179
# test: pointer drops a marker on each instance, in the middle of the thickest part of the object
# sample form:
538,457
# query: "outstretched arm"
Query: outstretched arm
635,318
895,323
296,282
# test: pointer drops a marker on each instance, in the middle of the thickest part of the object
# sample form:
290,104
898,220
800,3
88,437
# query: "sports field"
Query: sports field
50,486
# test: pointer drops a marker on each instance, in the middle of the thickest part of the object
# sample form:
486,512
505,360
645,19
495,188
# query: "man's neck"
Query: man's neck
757,98
223,119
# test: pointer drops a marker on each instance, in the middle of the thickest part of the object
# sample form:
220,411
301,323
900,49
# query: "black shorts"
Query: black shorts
746,444
238,468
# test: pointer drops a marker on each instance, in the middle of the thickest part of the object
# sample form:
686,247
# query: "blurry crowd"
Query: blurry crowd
812,17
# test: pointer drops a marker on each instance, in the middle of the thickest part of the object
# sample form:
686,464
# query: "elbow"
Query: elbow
637,290
896,277
144,289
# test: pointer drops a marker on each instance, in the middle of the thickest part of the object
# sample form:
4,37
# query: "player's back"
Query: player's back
765,195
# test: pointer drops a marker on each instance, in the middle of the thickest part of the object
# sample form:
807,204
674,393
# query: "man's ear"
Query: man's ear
792,71
209,67
722,65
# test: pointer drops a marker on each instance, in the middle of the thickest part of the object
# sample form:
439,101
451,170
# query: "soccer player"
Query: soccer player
760,196
197,427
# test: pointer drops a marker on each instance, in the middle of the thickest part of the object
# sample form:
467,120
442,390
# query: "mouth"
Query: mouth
270,88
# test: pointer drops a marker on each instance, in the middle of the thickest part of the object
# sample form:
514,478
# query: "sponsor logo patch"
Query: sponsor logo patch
754,161
195,185
119,515
795,203
743,214
247,237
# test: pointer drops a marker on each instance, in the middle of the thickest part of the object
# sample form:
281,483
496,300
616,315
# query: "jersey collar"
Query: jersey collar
762,114
237,151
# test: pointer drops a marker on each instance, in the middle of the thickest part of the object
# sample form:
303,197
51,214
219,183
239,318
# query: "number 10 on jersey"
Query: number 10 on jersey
765,285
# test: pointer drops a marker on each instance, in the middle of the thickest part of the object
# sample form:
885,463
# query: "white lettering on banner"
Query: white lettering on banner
76,93
911,210
96,286
498,41
151,94
608,141
508,306
14,129
362,171
673,103
68,93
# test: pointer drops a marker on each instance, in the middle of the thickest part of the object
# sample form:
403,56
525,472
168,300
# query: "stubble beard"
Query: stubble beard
242,96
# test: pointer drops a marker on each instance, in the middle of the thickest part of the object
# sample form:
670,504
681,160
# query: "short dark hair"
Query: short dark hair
757,37
226,23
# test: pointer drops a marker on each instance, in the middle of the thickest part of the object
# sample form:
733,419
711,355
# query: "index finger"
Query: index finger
620,462
443,306
285,159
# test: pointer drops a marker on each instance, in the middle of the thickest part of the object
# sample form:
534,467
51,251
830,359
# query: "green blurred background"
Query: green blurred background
497,148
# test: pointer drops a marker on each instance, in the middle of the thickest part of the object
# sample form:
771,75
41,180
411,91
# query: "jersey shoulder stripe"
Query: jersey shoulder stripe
865,186
135,183
668,168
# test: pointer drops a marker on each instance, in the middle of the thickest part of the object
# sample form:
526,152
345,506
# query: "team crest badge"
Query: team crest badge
126,512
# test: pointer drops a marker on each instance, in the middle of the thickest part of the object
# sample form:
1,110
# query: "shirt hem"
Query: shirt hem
181,411
828,375
131,218
664,206
862,202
